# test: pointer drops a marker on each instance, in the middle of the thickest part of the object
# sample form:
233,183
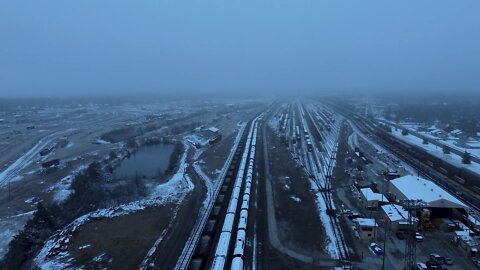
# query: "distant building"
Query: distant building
438,133
432,128
152,117
213,130
473,144
211,134
456,133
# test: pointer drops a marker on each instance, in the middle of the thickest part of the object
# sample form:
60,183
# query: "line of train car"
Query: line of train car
239,249
463,176
223,246
309,143
318,131
305,132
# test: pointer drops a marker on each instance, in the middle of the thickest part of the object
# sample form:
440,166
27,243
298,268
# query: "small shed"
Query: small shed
396,217
438,133
372,200
214,130
366,228
456,133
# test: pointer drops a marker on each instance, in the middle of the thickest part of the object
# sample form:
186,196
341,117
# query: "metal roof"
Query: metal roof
417,188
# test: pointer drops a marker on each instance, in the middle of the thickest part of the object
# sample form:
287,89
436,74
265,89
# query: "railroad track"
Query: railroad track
237,210
191,244
321,169
211,245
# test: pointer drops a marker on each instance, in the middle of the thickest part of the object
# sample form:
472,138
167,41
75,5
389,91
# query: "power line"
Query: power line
412,207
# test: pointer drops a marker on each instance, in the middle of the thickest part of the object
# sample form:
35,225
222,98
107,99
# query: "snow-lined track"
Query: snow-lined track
200,248
320,166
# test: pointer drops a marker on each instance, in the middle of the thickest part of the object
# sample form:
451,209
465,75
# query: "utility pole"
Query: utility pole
9,194
385,231
412,206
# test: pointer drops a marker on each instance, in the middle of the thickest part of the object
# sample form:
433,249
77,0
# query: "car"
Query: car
400,235
477,263
376,249
421,266
433,265
436,258
447,260
418,237
354,215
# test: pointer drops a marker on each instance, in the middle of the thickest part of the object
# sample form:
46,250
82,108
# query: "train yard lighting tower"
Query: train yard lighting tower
412,207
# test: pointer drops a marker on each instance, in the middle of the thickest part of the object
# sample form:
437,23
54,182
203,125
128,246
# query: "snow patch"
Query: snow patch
62,187
9,227
296,199
84,246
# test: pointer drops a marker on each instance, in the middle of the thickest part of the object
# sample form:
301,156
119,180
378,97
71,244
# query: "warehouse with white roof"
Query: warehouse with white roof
438,200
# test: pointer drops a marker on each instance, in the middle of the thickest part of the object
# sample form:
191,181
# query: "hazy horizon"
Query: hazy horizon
103,48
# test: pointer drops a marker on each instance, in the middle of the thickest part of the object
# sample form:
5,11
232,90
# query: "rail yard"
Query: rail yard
305,184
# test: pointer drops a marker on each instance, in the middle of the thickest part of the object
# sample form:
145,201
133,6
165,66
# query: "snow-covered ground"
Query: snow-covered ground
62,187
12,172
9,227
437,151
194,139
172,191
450,140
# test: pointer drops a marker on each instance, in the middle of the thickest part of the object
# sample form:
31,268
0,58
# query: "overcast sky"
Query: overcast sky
74,48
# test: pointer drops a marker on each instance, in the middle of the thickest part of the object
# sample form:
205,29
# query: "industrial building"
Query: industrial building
396,217
211,135
372,200
366,228
440,203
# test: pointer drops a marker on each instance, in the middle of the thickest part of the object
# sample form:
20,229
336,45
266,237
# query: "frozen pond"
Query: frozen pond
148,162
